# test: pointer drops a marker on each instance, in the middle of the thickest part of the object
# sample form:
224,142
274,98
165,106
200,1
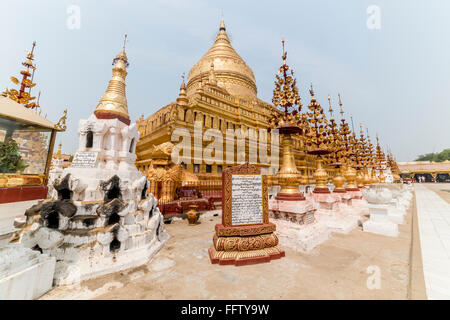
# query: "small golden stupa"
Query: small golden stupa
113,104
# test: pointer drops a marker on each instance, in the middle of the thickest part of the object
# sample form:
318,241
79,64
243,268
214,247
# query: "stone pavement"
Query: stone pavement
358,265
434,228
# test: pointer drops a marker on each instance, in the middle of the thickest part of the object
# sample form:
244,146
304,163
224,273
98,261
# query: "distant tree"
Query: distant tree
435,157
425,157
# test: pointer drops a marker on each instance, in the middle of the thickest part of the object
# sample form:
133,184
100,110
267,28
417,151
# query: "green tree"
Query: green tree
10,159
435,157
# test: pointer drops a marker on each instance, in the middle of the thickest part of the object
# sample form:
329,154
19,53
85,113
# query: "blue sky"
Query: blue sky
395,80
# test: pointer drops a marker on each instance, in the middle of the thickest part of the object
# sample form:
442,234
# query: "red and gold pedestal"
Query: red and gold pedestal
241,245
245,245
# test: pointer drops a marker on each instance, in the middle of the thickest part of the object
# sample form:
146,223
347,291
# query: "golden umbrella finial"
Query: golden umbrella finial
222,24
340,105
311,90
330,109
125,40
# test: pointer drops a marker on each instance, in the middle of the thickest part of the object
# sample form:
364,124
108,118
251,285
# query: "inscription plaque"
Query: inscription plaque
245,235
85,159
246,199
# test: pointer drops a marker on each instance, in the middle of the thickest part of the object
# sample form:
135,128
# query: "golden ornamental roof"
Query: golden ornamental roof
113,103
230,70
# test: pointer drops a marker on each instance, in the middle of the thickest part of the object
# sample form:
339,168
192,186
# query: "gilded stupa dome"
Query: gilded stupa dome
113,104
231,71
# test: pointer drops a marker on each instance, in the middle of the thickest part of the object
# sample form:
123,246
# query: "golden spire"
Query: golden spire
182,98
21,96
340,105
113,104
58,154
330,109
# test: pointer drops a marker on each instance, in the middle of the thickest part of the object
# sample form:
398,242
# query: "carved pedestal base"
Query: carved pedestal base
326,201
301,212
245,245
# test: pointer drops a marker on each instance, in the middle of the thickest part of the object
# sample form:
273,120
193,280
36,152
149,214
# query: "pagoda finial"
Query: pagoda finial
182,98
340,105
311,89
222,24
183,85
330,109
125,41
353,127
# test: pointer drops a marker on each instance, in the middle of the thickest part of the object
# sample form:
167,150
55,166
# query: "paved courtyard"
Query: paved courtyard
433,211
340,268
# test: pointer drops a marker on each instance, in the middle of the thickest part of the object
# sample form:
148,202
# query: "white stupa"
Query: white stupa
99,217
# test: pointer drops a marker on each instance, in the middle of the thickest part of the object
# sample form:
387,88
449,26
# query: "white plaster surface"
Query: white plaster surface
10,211
25,274
434,227
301,238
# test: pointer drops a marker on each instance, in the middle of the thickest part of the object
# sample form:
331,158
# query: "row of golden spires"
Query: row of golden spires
355,158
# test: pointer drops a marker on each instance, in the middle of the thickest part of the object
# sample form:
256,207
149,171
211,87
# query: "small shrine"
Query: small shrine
26,139
99,217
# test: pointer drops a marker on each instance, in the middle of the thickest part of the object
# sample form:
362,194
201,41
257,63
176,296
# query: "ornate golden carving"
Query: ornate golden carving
61,125
256,242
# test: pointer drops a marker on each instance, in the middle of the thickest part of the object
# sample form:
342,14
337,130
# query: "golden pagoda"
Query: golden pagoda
220,92
113,104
